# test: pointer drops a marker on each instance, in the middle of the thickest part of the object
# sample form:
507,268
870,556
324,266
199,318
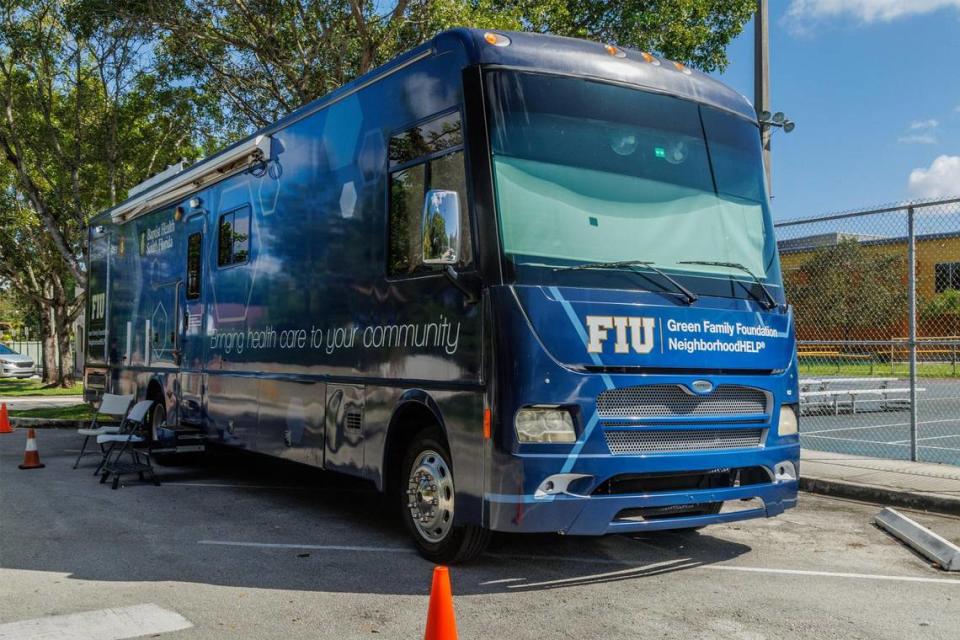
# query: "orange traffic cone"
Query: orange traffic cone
4,420
441,623
31,457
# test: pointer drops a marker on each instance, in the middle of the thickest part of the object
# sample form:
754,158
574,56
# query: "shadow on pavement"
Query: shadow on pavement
337,534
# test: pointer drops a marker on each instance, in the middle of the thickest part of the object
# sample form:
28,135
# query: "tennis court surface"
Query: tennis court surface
883,430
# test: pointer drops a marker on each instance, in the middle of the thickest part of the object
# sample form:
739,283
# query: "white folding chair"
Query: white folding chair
110,405
130,434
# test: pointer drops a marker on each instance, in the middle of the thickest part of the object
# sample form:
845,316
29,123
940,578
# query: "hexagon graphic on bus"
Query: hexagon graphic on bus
160,336
371,156
341,132
348,200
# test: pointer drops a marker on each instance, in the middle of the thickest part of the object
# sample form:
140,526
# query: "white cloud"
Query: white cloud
864,10
924,124
941,179
918,138
921,132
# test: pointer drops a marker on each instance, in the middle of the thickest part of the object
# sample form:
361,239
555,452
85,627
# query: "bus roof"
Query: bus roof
527,51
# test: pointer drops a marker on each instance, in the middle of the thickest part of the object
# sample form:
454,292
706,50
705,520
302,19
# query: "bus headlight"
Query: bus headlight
788,421
541,424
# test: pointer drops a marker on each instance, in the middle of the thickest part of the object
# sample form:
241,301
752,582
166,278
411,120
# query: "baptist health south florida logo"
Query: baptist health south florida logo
630,333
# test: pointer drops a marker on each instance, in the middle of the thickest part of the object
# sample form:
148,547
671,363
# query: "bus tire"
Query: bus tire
427,497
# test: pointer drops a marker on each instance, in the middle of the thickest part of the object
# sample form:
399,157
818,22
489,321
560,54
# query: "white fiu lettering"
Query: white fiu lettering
629,333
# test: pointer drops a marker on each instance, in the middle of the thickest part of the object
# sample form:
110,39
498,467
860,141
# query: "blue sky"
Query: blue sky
874,88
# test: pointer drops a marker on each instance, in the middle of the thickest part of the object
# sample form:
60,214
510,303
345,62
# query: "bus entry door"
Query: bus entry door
191,311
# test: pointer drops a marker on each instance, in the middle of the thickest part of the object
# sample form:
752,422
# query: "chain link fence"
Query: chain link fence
876,295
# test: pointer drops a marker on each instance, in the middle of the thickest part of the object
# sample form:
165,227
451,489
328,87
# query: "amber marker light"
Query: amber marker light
681,67
496,39
616,52
487,424
650,58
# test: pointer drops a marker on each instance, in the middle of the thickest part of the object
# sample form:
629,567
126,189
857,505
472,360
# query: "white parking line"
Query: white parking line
502,581
318,547
104,624
857,440
877,426
230,485
225,485
832,574
681,563
953,435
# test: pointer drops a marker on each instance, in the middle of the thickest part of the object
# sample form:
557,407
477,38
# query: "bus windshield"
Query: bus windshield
589,172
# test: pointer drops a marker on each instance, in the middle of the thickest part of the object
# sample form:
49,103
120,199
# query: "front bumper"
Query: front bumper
14,371
586,514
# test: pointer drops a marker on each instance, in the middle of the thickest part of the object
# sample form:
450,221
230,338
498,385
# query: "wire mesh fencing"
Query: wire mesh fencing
876,296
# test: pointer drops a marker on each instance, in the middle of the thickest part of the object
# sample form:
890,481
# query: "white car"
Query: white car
15,365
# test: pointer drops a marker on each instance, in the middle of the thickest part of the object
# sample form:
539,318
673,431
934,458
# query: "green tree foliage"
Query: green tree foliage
844,289
943,310
265,58
82,118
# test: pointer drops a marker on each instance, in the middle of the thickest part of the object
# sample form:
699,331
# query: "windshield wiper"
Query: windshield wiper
688,295
768,303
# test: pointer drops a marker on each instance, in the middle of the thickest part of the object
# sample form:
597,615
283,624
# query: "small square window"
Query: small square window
233,243
947,276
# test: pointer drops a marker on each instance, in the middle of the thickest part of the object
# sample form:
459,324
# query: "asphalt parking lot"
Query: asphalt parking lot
249,548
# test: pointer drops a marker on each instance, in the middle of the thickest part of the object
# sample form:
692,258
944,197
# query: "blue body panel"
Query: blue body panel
546,327
306,349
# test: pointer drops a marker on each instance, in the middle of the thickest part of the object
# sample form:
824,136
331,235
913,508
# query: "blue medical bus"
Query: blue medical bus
522,283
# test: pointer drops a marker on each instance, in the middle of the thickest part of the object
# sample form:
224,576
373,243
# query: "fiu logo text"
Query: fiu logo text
629,333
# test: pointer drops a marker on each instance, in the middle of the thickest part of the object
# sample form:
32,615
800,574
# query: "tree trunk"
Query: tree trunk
49,338
61,331
65,363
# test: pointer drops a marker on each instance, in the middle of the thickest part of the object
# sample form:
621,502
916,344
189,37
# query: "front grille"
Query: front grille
631,483
670,511
647,441
668,400
25,365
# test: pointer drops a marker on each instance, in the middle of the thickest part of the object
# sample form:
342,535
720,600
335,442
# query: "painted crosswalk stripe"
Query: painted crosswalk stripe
115,623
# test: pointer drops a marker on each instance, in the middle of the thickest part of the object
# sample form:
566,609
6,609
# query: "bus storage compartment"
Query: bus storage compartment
291,423
344,428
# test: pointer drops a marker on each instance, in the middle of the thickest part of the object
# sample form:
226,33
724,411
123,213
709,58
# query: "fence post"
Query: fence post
912,346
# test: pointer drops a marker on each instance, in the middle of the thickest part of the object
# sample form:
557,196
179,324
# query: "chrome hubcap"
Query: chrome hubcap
430,496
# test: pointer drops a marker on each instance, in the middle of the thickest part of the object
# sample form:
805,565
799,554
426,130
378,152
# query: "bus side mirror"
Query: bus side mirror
441,227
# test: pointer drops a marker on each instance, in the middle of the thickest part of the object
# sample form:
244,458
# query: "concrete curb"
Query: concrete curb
882,495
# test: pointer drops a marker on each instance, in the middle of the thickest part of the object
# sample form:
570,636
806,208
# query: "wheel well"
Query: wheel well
410,419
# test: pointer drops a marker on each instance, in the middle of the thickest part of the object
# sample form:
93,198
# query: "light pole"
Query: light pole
761,89
761,78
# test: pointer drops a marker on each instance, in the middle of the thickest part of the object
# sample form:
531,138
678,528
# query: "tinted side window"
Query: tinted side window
427,156
408,188
425,139
233,242
194,262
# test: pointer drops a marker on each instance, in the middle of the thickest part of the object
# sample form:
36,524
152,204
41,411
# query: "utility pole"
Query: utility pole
761,79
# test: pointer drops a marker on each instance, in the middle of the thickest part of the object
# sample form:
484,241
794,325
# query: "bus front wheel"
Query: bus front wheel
427,501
